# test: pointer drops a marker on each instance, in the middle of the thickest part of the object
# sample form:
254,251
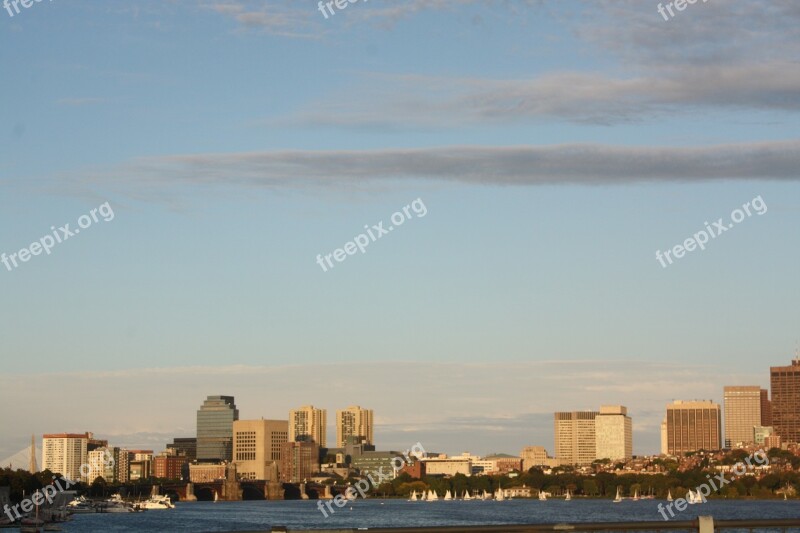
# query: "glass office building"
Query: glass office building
215,428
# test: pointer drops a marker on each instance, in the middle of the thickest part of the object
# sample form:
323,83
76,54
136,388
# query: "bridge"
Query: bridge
245,490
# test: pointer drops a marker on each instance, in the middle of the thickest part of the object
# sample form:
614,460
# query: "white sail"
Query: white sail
414,496
499,495
568,496
432,496
618,497
542,495
669,495
636,495
448,496
467,496
486,495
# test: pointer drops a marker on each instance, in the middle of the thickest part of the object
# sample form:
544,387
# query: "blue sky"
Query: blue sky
555,145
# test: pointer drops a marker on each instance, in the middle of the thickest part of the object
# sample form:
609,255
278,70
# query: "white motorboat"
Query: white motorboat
157,502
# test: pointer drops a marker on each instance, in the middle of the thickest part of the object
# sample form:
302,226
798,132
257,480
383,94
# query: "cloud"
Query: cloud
483,407
587,164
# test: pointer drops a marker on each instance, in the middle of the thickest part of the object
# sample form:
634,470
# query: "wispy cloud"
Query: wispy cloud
587,164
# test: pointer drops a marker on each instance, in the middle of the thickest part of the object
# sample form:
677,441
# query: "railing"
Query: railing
701,525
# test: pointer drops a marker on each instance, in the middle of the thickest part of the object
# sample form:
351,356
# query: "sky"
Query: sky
544,152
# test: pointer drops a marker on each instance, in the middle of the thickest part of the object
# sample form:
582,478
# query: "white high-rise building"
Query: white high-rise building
64,453
308,422
613,433
742,414
353,422
575,437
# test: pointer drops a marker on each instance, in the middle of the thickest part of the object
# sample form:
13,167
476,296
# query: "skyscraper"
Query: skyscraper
766,409
308,423
215,428
742,414
785,384
353,422
613,433
257,446
64,453
575,437
692,426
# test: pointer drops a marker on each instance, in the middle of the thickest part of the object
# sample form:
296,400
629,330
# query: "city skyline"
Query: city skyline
209,152
550,445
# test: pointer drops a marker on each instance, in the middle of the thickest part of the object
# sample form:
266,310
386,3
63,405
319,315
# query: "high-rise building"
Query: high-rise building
785,385
64,453
575,441
742,414
308,423
215,420
692,426
102,462
300,460
353,422
257,446
766,408
184,447
613,433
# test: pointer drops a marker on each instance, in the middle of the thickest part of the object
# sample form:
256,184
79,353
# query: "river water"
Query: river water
262,515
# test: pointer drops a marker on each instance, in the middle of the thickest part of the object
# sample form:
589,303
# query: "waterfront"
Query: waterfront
262,515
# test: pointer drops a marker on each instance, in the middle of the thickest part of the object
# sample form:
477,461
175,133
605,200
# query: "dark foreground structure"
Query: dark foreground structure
704,524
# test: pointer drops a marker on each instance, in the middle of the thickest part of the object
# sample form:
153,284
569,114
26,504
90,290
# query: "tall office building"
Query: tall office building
613,433
64,453
353,422
692,426
575,437
308,423
742,414
215,420
257,448
785,384
766,408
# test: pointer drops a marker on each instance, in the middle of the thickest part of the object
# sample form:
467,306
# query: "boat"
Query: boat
432,496
485,495
669,495
216,496
618,498
498,495
542,495
157,502
448,496
636,495
693,498
413,497
467,496
568,497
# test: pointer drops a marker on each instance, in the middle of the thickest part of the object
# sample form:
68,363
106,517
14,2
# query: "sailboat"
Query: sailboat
498,495
216,496
636,495
669,495
413,496
423,497
432,496
486,495
568,497
619,497
542,495
448,496
467,496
